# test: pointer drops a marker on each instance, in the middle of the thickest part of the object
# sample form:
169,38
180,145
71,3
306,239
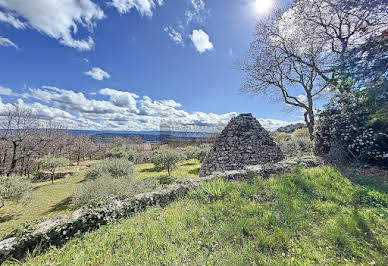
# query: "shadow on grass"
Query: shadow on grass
372,180
194,171
150,170
60,206
189,164
6,218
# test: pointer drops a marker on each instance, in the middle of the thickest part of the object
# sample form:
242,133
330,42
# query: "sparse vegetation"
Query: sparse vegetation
312,216
295,144
50,200
120,153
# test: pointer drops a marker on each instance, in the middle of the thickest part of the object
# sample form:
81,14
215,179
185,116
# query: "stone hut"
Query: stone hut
243,142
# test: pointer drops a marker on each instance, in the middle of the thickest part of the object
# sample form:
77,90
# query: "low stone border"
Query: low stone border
58,231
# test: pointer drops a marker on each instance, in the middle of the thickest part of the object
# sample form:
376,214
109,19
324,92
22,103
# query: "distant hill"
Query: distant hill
147,136
290,128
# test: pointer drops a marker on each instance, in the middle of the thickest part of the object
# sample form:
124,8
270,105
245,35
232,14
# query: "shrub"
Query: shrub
296,144
14,188
345,124
112,168
105,187
199,153
120,153
166,158
51,163
373,198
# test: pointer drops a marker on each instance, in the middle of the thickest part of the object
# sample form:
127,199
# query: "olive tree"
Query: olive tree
51,163
166,158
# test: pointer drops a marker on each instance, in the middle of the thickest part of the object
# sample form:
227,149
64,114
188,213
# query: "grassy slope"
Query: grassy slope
311,216
50,200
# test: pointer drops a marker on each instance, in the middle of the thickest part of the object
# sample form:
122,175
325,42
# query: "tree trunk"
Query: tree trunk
13,161
52,176
2,163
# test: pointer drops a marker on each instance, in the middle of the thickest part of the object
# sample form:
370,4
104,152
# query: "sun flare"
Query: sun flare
263,6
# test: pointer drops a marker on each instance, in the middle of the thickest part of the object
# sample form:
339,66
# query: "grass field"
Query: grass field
50,200
311,216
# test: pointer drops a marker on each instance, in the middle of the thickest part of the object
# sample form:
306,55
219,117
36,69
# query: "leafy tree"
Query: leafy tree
51,163
166,158
119,153
14,188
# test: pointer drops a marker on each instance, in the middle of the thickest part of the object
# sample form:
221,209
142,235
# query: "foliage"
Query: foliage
296,144
113,168
307,217
199,153
14,188
344,126
215,189
105,187
120,153
166,158
51,163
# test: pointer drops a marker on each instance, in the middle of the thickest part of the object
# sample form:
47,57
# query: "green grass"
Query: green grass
50,200
311,216
184,170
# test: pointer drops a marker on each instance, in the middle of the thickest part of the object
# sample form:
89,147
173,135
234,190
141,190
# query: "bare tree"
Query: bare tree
272,67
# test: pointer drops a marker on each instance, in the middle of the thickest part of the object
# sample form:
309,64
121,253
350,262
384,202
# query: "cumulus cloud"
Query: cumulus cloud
57,19
121,98
97,73
201,41
120,111
145,7
6,91
7,43
174,35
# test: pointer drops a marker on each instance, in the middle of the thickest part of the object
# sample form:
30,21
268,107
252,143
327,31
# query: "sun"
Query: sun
263,6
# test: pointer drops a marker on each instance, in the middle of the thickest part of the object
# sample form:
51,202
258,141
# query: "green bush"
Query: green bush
14,188
113,168
373,198
296,144
120,153
345,127
166,158
105,187
199,153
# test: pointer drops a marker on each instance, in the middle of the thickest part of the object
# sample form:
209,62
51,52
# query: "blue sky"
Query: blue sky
130,64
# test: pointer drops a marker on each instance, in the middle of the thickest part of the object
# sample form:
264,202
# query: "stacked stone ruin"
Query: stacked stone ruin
243,142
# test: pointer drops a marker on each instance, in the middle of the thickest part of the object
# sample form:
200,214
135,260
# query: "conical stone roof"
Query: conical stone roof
243,142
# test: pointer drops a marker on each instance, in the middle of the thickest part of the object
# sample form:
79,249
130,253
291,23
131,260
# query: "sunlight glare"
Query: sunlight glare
263,6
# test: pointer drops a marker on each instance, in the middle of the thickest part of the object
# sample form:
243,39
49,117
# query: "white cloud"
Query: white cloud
145,7
6,91
201,41
121,98
57,19
97,73
198,4
174,35
122,111
7,43
10,19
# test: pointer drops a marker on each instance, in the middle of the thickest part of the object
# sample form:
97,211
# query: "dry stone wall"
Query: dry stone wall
58,231
243,142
